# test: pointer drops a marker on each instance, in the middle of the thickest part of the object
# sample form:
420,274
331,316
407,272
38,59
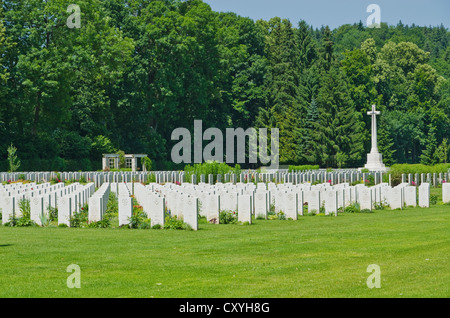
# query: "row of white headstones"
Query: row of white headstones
188,201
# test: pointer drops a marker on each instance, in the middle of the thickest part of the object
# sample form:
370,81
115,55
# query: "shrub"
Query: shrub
353,208
137,219
25,219
53,213
228,217
45,221
104,223
25,209
81,218
433,199
379,206
20,222
271,215
173,223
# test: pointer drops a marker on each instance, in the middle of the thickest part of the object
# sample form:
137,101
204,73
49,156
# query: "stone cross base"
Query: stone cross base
375,162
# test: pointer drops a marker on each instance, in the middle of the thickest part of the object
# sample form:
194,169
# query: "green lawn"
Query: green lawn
316,256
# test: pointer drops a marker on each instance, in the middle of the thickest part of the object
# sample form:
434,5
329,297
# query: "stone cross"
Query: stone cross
374,114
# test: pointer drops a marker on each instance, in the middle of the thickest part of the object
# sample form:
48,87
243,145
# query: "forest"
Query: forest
138,69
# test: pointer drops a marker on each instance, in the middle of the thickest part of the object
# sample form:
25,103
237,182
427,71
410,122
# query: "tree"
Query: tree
428,156
14,162
146,163
312,116
339,129
442,151
386,145
282,108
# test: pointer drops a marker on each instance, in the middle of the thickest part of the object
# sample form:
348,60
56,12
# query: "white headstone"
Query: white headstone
65,210
365,198
331,202
446,192
424,195
37,209
314,201
125,203
190,212
261,198
244,209
212,208
395,198
156,210
410,196
7,208
95,208
291,205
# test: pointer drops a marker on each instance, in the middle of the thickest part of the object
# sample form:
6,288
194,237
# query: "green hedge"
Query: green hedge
303,168
210,167
397,170
419,168
55,164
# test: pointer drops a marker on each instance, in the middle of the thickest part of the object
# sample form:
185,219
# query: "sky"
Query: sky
335,13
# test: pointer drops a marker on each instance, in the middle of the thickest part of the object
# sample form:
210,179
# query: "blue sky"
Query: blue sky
335,13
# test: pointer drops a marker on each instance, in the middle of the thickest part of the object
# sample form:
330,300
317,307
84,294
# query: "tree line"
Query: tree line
138,69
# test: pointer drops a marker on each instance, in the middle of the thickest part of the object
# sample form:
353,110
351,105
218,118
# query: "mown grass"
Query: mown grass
316,256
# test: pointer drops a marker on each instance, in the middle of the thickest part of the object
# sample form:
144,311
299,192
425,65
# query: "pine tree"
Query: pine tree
339,128
385,142
312,117
442,151
428,156
282,109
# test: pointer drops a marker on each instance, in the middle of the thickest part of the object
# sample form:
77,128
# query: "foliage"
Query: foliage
228,217
25,219
352,208
433,199
14,162
442,151
271,215
80,218
303,168
210,167
53,213
147,163
174,223
138,219
397,170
